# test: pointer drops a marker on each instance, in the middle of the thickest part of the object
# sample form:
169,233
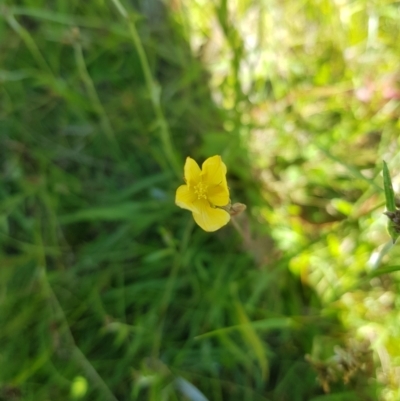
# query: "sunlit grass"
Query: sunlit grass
108,290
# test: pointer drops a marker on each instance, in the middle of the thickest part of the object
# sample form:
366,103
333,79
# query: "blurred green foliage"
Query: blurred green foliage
108,290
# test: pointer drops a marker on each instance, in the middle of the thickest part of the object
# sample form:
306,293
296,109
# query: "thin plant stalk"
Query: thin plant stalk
76,353
29,43
154,92
91,90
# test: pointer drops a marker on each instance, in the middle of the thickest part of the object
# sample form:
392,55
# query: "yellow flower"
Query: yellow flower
205,190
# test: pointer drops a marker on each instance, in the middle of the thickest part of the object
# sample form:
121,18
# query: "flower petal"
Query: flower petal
218,195
192,171
208,218
214,171
184,198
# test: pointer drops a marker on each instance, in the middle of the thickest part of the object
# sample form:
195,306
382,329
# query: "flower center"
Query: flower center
201,190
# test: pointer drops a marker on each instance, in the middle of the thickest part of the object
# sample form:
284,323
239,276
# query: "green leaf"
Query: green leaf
389,193
390,201
385,270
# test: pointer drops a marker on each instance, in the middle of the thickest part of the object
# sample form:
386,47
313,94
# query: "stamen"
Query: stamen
201,190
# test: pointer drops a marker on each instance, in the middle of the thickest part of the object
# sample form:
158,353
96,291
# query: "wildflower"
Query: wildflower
205,193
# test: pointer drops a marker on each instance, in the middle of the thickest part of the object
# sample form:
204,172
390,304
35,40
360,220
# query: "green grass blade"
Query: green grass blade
385,270
263,325
390,202
388,187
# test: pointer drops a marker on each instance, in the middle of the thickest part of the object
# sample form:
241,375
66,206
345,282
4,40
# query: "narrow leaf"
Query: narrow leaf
252,338
385,270
389,193
390,202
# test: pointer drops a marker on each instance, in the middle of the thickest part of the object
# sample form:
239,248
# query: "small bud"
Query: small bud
237,208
